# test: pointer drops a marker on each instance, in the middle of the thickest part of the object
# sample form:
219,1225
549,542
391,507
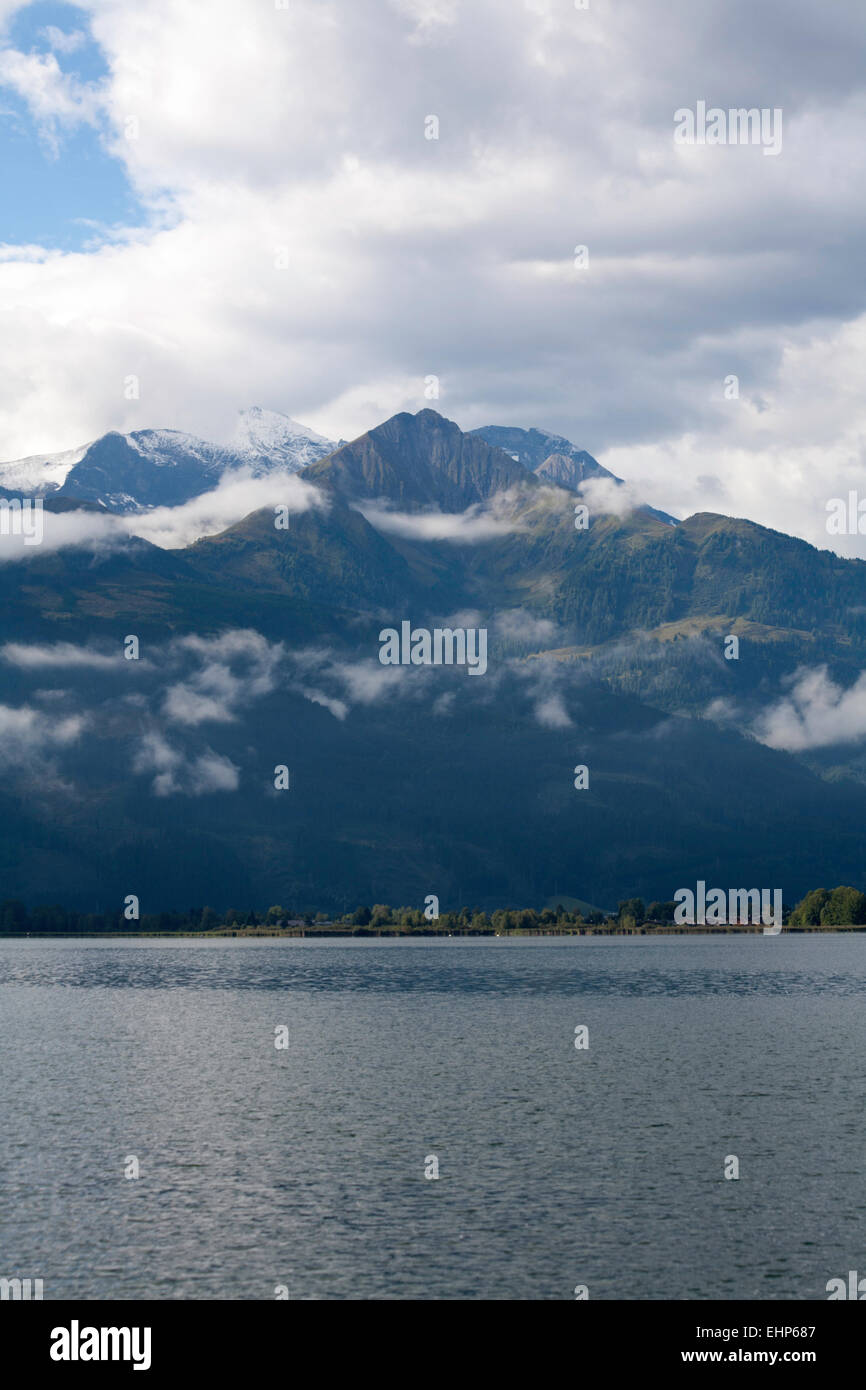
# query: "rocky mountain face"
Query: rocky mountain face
548,455
419,460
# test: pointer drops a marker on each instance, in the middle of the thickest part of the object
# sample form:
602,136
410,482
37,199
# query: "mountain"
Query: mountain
163,468
415,461
266,438
555,459
260,648
549,455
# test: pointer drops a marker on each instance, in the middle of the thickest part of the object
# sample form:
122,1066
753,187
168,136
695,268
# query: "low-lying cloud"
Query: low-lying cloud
236,496
176,772
483,521
816,714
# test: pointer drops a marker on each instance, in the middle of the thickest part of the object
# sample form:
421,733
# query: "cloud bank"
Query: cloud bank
236,496
307,247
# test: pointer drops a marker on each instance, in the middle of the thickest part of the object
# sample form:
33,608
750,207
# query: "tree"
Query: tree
661,912
845,907
631,912
361,916
808,911
13,915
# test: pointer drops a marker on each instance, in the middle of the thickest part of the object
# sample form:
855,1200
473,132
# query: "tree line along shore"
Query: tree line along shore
822,909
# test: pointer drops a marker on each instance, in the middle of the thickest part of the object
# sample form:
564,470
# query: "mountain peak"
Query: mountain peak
271,435
418,461
551,456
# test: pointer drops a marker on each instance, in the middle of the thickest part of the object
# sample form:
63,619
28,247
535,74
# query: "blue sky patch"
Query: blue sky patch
61,193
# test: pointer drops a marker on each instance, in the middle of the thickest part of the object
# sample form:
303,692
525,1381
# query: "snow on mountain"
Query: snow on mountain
40,472
152,468
267,435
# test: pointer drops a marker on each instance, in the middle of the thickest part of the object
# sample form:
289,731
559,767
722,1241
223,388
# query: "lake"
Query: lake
302,1167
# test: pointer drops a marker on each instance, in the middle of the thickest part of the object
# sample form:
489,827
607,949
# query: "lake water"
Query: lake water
305,1166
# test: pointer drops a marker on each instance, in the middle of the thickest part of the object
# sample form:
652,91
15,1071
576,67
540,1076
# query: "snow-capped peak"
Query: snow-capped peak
40,472
268,434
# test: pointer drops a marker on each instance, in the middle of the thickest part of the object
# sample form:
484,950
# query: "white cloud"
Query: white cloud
216,693
480,522
816,714
604,496
236,496
338,708
520,626
62,40
212,772
303,129
27,734
63,655
177,774
552,714
367,681
52,96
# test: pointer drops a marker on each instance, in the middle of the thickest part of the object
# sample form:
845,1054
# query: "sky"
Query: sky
207,207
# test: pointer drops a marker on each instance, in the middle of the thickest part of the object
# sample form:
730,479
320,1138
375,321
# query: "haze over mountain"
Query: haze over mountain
259,647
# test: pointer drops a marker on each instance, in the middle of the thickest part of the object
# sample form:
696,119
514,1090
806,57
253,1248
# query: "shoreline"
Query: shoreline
324,932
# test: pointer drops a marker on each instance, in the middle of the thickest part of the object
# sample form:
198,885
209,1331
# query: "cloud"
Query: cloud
216,692
53,97
552,714
366,682
338,708
236,496
212,772
26,734
301,131
521,627
63,41
61,655
182,685
604,496
480,522
816,714
177,774
184,705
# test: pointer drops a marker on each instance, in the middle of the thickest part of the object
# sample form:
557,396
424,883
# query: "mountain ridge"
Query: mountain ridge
260,648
